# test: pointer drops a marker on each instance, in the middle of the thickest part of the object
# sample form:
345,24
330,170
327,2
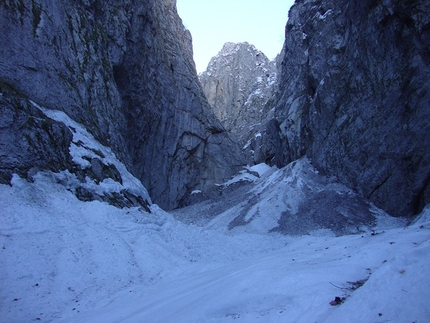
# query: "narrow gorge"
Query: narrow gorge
134,190
353,96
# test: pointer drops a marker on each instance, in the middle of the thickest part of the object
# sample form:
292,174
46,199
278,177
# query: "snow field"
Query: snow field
64,260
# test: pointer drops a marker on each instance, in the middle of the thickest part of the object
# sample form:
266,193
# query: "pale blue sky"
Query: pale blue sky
215,22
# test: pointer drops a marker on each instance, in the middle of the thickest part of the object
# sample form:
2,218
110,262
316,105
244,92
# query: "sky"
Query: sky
213,23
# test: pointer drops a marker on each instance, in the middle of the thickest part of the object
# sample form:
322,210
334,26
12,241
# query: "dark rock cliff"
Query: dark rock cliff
355,97
124,70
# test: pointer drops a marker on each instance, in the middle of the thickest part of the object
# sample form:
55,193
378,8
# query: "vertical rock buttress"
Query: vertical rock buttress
172,133
355,97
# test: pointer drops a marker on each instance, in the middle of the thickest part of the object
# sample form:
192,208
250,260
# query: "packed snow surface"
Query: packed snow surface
63,260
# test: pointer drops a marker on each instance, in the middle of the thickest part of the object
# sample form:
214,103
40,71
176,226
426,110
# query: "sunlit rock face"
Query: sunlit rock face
238,83
354,97
123,69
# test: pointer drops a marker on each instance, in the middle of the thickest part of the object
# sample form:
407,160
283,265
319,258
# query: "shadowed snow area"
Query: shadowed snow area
64,260
278,245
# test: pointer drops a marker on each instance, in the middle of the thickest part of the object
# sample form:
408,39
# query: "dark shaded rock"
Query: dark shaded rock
354,97
60,56
29,140
121,199
100,171
176,143
86,195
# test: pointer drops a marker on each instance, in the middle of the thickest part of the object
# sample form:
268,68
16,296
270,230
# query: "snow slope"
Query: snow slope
294,200
83,148
64,260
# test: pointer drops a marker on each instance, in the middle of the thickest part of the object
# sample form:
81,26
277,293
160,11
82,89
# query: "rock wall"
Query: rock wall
28,139
58,54
172,132
124,70
238,82
355,97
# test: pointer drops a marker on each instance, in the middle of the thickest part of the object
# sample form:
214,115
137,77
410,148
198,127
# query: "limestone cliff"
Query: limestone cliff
171,130
355,97
123,69
238,82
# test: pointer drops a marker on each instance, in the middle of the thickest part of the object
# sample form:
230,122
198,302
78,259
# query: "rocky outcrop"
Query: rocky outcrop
33,141
238,83
28,139
354,97
123,69
60,55
172,132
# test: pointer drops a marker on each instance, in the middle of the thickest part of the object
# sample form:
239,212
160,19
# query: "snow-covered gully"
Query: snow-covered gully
64,260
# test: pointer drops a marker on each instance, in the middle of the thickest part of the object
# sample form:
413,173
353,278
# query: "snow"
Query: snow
322,17
248,174
64,260
242,176
260,168
247,145
83,147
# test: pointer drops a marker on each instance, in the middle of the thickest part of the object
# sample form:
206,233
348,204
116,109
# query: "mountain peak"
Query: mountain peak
232,48
238,83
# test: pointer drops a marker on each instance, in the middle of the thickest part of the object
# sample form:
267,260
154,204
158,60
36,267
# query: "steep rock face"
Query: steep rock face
58,54
238,83
172,132
123,69
354,97
28,139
